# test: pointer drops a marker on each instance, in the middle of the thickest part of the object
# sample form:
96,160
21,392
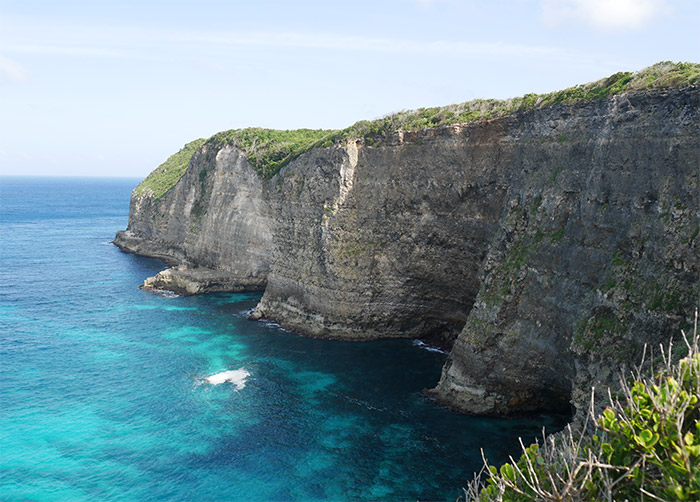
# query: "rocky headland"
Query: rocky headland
543,239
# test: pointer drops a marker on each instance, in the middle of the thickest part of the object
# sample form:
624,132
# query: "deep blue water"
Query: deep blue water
103,391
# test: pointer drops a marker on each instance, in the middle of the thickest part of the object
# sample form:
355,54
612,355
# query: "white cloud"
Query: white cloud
12,70
604,14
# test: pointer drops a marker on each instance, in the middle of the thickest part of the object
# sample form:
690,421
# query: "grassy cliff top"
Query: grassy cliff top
164,177
269,150
664,74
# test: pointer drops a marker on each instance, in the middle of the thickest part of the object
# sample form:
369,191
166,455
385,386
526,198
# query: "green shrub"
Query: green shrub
269,150
664,74
165,176
645,445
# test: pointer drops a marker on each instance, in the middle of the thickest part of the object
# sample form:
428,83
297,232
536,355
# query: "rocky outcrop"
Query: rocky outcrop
548,246
186,281
215,222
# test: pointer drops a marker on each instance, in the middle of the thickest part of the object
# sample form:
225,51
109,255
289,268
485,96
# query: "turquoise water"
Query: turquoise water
104,393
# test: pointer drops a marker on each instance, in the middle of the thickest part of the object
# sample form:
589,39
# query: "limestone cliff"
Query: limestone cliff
387,240
214,220
596,253
548,245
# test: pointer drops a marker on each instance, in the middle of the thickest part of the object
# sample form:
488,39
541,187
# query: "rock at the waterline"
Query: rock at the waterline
191,281
256,315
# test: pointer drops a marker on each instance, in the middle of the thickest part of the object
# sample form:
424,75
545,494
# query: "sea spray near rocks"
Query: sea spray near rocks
421,344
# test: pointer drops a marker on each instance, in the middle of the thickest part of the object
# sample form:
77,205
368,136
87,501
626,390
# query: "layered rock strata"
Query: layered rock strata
595,256
215,223
549,246
386,241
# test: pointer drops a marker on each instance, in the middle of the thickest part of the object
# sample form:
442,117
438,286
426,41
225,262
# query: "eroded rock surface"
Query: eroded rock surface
595,256
386,241
215,219
186,281
549,246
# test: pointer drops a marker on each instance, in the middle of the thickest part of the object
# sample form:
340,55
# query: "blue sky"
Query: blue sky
112,88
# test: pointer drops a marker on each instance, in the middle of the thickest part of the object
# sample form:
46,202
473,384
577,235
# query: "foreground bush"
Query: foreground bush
645,445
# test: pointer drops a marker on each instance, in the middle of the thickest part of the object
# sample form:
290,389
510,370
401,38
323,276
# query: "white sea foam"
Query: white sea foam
236,377
273,324
165,293
425,346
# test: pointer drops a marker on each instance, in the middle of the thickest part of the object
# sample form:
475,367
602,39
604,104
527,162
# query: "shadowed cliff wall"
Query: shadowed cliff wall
554,242
596,254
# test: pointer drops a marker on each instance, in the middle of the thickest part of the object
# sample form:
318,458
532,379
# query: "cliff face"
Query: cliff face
550,244
215,220
596,254
387,240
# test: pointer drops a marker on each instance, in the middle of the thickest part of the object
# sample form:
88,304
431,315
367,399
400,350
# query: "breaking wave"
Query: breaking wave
236,377
425,346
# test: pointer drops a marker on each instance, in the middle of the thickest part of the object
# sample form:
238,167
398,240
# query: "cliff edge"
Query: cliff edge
544,239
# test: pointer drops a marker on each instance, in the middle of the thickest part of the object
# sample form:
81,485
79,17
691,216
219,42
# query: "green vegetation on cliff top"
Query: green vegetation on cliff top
665,74
269,150
164,177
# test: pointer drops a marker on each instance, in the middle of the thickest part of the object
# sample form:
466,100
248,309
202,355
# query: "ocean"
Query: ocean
109,392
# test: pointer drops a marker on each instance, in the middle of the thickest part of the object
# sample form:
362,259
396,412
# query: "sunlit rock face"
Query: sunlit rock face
387,241
215,220
545,247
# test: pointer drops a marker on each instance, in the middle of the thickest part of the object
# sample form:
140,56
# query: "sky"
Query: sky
112,88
